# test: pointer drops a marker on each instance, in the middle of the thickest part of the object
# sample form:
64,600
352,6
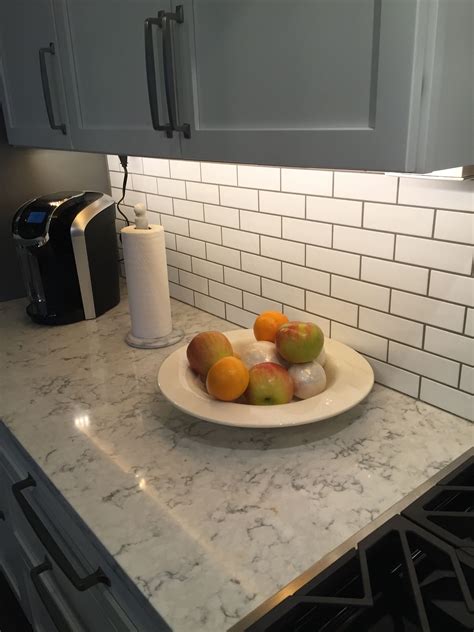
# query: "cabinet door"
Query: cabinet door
323,83
106,76
27,31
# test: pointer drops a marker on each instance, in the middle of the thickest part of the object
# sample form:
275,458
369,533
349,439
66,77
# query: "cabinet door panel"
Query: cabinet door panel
304,82
106,76
26,26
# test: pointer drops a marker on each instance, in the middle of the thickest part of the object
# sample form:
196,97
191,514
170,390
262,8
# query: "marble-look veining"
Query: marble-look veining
207,520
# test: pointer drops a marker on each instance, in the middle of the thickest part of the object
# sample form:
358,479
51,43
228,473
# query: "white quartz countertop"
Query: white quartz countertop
207,520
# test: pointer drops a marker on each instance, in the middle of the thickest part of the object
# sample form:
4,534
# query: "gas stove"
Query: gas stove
411,570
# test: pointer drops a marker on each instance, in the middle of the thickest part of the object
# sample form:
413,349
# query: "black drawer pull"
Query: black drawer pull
151,79
50,50
51,607
81,583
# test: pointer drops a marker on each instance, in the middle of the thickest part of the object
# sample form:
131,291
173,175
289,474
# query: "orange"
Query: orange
267,325
227,379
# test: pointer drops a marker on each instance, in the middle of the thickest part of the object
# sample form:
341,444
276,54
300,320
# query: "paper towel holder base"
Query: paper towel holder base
155,343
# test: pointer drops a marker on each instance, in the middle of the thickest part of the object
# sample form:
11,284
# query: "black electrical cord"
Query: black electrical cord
124,162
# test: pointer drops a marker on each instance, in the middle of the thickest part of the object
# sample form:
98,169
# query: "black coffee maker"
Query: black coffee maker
67,246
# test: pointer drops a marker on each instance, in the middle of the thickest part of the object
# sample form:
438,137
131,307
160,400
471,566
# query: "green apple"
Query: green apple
205,349
269,384
298,342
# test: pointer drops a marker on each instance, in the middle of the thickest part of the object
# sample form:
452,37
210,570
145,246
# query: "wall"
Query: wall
382,263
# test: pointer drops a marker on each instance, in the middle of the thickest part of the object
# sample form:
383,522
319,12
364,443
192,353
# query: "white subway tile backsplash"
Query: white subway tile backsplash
447,398
334,211
427,310
181,293
440,255
173,274
219,173
283,293
225,293
135,164
469,328
170,240
255,177
424,363
239,198
178,260
265,267
208,304
283,250
113,163
191,246
396,275
452,226
437,193
205,232
239,316
144,183
396,378
185,170
307,317
399,219
467,379
333,261
172,188
241,240
191,210
242,280
459,289
221,215
160,204
360,292
307,181
200,192
287,204
365,186
360,340
365,242
156,167
131,197
116,179
223,255
193,281
176,225
259,304
260,223
307,232
331,308
304,277
393,327
208,269
450,345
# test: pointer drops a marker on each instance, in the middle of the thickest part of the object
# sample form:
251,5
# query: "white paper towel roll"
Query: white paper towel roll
147,281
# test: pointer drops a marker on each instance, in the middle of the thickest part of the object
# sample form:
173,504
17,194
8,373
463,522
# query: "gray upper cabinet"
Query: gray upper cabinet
30,65
106,77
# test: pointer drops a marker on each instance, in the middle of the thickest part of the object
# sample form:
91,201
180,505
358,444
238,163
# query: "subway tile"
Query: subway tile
283,250
208,304
287,204
399,219
467,379
181,293
239,198
360,340
260,223
452,226
360,292
223,255
309,181
160,204
365,242
239,316
334,211
365,186
469,328
424,363
331,308
449,399
450,345
131,197
128,211
176,225
191,246
153,218
206,232
170,240
172,188
156,167
221,215
427,310
283,293
333,261
225,293
191,210
396,275
208,269
459,289
307,317
240,240
242,280
135,164
256,177
396,378
185,170
392,327
178,260
199,192
193,281
173,274
437,193
440,255
258,304
265,267
113,163
304,277
219,173
116,179
307,232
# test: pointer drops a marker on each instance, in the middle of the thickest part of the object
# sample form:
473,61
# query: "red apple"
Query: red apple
269,384
205,349
299,342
